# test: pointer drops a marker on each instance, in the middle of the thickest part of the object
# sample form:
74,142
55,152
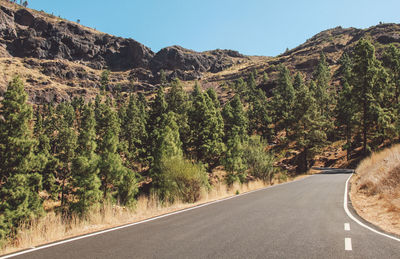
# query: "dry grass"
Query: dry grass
52,228
375,191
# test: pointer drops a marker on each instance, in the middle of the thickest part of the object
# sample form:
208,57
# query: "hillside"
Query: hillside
137,139
60,59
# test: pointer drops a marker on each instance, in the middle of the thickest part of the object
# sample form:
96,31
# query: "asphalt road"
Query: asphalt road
302,219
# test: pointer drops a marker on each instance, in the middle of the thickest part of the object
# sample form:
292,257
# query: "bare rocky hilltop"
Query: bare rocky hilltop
60,59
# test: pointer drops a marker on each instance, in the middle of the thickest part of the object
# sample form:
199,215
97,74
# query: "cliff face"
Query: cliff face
26,34
60,59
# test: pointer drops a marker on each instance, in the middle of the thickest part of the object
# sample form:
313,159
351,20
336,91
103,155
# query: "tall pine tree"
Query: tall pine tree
178,103
19,184
308,126
345,109
367,89
65,150
235,135
86,182
206,128
323,93
283,100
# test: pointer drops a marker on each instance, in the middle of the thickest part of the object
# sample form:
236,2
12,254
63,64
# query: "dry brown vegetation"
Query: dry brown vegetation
52,228
375,189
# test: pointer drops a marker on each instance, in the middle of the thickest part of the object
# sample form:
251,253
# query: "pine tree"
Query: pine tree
132,128
86,182
46,149
110,164
322,93
235,119
367,88
19,184
235,134
157,109
178,103
117,181
163,78
213,145
345,108
391,60
298,81
259,115
308,126
265,78
241,89
78,103
345,69
283,100
234,160
65,150
168,147
143,118
345,118
168,141
15,137
104,80
43,155
206,127
252,85
386,113
214,97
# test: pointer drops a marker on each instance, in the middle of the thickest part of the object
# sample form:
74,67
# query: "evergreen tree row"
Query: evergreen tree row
84,155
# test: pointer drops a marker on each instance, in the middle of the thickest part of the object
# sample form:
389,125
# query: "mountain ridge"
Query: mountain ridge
60,59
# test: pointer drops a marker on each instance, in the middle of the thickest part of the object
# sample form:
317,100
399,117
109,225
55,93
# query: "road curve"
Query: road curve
302,219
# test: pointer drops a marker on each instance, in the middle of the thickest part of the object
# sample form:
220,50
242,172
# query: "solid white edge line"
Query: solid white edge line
143,221
347,244
346,209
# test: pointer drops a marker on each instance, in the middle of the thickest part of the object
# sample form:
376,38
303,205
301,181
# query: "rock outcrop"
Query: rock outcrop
26,34
179,59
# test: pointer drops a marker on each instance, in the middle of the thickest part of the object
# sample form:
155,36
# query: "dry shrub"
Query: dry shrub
375,189
380,173
52,227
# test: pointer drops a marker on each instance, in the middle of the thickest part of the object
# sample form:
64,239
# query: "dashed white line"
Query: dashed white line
347,244
347,226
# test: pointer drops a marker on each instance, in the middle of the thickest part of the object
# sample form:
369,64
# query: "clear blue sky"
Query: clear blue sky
253,27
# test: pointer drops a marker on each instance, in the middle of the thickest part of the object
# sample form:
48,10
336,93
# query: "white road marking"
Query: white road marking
143,221
347,226
346,209
347,244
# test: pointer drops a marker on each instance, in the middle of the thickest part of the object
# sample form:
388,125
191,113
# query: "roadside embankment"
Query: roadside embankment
375,189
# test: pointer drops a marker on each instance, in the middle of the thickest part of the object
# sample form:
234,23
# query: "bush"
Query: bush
180,179
233,177
259,162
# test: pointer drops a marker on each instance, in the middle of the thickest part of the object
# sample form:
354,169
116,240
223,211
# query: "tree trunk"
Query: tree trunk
348,142
305,160
365,127
62,196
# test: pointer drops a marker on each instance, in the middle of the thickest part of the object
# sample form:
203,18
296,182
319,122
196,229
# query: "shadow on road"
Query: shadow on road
327,170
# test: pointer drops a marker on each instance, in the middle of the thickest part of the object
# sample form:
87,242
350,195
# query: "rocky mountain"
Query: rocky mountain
26,34
60,59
